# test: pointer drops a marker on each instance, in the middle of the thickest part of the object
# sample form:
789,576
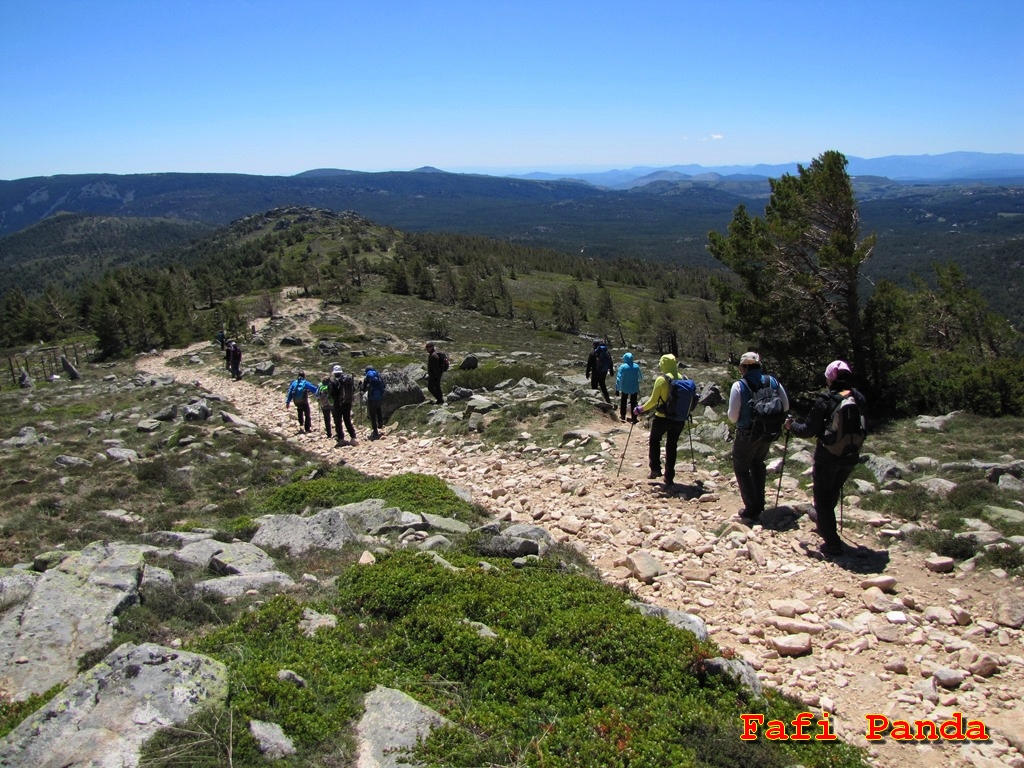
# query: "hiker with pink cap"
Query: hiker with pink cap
837,420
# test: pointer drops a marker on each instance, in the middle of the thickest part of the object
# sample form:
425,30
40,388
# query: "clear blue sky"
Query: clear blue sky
272,87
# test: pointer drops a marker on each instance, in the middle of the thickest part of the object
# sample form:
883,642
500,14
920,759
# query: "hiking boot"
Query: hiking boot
832,547
375,435
655,473
749,518
352,440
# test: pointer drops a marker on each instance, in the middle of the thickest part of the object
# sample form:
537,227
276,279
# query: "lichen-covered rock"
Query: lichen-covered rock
70,612
392,723
106,714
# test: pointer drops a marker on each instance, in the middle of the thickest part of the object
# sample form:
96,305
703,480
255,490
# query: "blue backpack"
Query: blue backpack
375,386
682,393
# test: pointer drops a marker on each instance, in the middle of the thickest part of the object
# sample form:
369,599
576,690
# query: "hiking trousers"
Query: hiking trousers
327,410
748,463
376,414
830,473
302,412
600,381
670,430
622,405
434,387
343,414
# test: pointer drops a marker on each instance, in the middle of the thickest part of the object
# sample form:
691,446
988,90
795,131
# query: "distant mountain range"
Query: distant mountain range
949,167
966,207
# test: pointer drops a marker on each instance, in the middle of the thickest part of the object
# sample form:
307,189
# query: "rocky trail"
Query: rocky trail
884,630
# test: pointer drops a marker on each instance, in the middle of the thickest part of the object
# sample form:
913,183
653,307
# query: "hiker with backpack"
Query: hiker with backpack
373,387
323,399
837,420
299,392
627,385
341,392
671,401
437,364
757,406
599,365
233,359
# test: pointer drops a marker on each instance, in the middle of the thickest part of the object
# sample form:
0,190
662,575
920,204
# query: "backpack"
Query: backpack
766,410
445,361
604,361
340,389
374,386
298,392
845,426
682,393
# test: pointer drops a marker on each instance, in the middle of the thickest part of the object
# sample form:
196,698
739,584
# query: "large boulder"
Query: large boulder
71,610
328,529
105,716
401,389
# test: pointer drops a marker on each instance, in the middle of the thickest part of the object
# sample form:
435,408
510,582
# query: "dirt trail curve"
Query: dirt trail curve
864,660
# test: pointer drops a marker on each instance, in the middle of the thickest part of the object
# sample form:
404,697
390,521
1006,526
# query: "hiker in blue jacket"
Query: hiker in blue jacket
300,391
373,387
627,385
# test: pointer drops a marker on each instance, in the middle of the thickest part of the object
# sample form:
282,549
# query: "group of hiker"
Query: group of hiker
334,396
758,407
336,393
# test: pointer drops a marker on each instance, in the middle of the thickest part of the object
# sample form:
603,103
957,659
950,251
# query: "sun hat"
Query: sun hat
835,368
336,369
750,358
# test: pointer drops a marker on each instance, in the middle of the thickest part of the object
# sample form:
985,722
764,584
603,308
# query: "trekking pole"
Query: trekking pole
631,425
782,468
689,431
841,494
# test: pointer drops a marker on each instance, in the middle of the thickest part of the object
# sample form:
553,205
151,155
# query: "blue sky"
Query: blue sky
268,87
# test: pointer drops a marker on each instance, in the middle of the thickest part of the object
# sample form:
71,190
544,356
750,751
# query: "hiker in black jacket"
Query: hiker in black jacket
340,391
435,370
599,365
830,471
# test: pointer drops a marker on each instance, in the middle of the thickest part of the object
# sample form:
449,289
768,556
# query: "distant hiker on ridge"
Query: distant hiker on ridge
233,359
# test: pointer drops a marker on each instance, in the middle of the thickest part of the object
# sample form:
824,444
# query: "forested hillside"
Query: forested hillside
977,226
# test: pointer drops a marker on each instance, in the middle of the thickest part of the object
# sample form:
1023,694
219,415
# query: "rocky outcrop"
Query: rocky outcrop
106,714
70,611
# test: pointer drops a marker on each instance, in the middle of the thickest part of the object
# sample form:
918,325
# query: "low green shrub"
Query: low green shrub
947,543
489,376
342,485
574,678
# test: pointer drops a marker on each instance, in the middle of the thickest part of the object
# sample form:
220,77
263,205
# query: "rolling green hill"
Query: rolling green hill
978,226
